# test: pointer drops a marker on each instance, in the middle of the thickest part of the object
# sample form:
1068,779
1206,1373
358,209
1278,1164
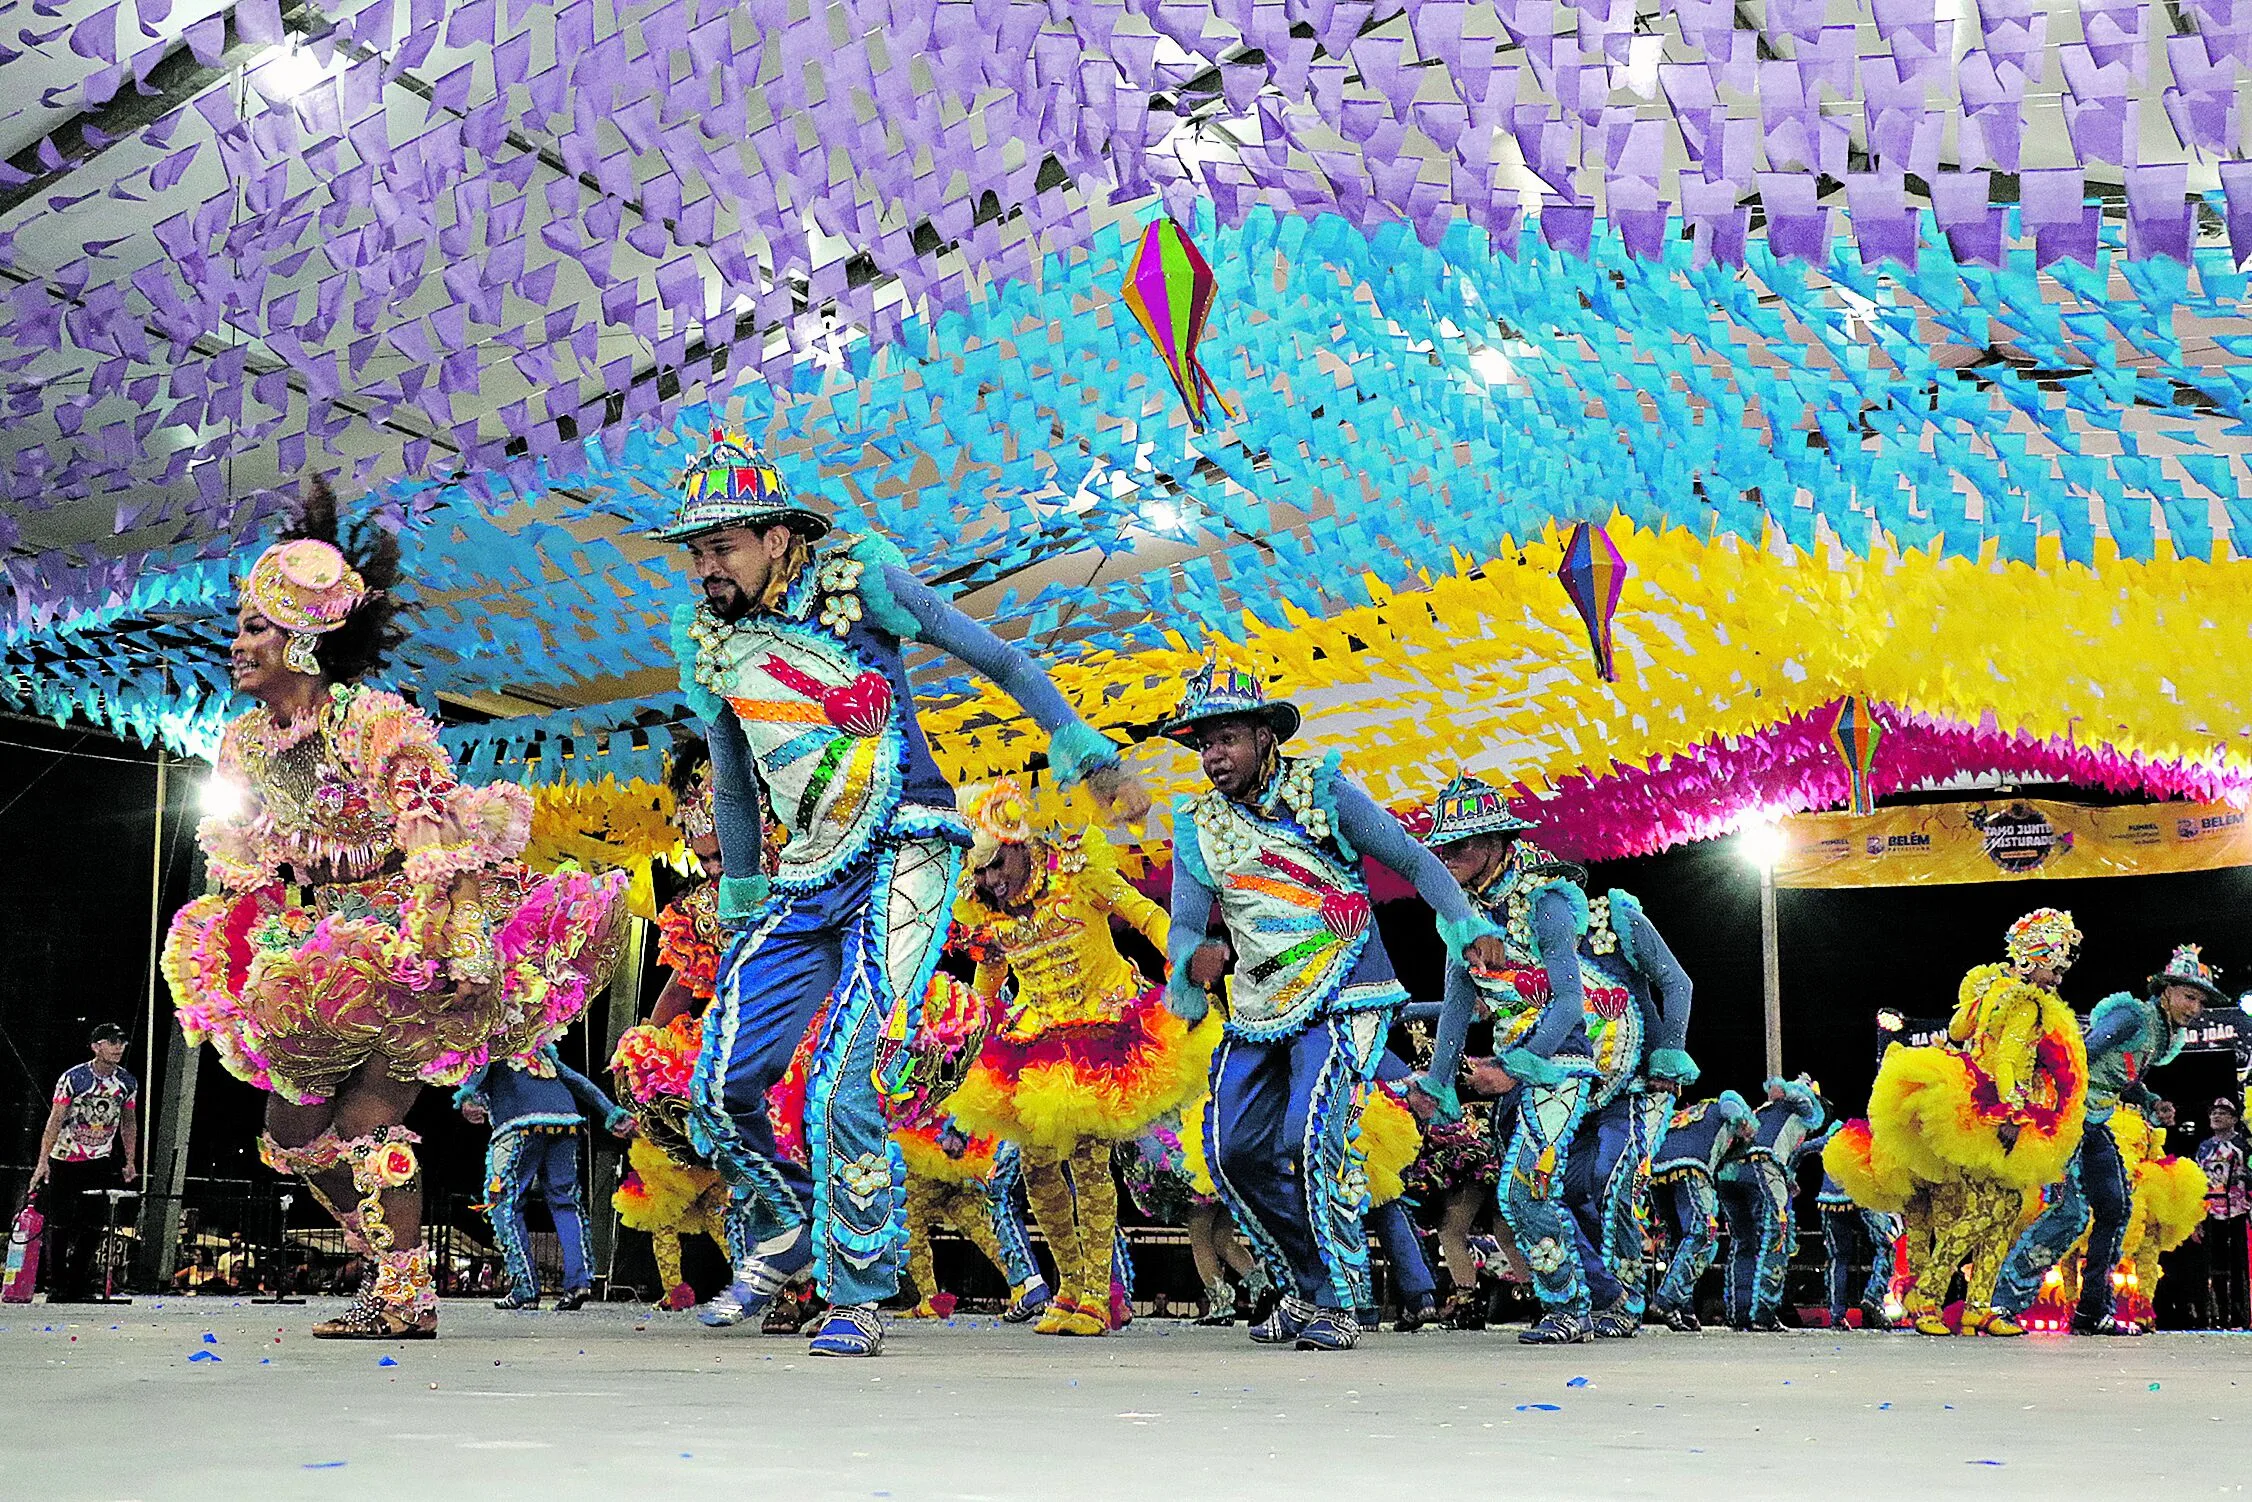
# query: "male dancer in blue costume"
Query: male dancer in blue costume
1850,1233
1277,846
1577,1003
1698,1145
535,1144
793,660
1756,1188
2128,1036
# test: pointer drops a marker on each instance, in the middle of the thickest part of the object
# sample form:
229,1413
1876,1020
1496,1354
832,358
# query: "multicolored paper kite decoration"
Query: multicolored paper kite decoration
1854,732
1593,573
1170,288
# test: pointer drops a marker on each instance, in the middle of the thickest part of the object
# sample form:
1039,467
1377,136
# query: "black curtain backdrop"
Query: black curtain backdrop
74,895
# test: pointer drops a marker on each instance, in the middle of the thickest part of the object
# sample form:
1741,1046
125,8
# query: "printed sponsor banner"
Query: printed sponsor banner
2007,839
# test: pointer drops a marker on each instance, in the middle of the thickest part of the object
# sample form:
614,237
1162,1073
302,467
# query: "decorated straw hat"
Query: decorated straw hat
2046,936
731,484
308,589
1219,692
2188,968
1471,806
999,816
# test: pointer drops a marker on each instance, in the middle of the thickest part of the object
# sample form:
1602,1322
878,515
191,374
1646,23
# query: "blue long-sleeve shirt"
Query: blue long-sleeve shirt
898,609
518,1100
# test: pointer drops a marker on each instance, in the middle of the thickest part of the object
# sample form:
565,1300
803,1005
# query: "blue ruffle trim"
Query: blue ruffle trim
1460,933
1325,799
741,897
1673,1064
878,605
920,821
1077,749
702,702
1188,852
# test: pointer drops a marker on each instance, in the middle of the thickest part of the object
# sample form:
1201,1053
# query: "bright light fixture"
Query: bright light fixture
1492,366
1761,844
222,797
1162,516
289,70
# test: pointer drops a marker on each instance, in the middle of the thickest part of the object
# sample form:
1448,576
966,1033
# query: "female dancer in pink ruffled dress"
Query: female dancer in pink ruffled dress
368,929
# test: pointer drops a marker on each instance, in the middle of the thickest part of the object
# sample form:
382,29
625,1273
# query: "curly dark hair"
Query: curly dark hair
689,753
372,631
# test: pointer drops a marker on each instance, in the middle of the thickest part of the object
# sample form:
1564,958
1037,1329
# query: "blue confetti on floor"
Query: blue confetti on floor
388,1361
1539,1408
323,1465
209,1339
1989,1462
203,1356
1577,1382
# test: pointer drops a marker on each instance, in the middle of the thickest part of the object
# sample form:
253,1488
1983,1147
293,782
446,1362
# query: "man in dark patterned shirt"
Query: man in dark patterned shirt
2228,1204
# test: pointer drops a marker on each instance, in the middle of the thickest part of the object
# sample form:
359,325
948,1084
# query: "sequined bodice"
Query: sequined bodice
318,819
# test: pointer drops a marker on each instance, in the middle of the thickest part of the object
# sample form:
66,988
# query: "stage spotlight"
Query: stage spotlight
221,798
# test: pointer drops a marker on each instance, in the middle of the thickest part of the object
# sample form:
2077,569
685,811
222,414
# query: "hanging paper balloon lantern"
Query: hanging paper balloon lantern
1854,732
1169,288
1593,573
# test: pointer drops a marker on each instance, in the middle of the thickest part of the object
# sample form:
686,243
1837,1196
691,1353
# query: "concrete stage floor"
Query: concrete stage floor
102,1403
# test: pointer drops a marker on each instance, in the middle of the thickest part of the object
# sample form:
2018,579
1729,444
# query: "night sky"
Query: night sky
74,951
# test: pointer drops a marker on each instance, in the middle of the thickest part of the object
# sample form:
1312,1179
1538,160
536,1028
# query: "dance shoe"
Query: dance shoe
1028,1304
1557,1329
366,1319
1081,1317
2104,1324
682,1297
1415,1316
1616,1323
1290,1317
851,1330
517,1300
1680,1320
1330,1330
759,1278
572,1298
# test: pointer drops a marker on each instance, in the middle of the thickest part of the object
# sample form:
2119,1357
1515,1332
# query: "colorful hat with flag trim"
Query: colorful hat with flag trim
732,484
1471,806
1219,692
2188,968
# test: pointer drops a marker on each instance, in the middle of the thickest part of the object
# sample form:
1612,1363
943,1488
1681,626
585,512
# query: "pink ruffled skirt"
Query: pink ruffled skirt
295,998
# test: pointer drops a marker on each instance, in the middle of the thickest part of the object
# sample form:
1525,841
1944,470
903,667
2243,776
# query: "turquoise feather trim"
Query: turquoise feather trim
1531,1069
1798,1098
878,604
702,702
1440,1093
741,896
1625,908
1325,799
1077,749
1673,1064
1731,1106
1185,999
1460,933
1188,853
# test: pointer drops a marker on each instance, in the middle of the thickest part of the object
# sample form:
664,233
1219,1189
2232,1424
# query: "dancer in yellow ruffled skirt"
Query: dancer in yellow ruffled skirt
1085,1056
1959,1133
